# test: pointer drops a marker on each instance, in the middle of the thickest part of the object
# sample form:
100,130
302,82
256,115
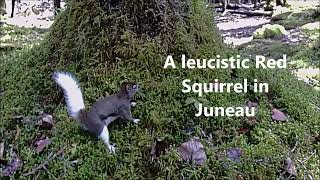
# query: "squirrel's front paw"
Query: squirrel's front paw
112,148
136,121
133,104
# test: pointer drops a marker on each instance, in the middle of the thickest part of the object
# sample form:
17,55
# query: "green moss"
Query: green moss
297,17
270,31
105,48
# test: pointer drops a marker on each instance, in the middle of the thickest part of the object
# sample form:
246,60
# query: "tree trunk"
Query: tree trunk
3,7
57,6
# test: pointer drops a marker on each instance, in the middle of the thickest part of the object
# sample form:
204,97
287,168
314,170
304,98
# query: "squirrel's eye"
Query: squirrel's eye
134,86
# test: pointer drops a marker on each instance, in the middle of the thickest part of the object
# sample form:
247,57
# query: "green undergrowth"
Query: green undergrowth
13,37
298,17
298,55
103,49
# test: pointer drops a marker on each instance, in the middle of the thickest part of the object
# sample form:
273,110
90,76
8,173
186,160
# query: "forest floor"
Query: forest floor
19,32
238,31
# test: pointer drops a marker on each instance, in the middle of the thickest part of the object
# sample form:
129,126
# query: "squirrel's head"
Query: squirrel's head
129,88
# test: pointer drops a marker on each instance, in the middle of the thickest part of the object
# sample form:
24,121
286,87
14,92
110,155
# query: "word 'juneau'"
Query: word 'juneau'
229,111
224,63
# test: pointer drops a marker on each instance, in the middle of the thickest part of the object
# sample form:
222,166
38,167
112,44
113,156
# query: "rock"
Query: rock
270,31
311,26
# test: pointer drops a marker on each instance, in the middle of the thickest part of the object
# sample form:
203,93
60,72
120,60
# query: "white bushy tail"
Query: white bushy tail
72,92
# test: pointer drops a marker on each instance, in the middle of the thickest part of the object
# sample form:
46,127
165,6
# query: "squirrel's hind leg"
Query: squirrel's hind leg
105,137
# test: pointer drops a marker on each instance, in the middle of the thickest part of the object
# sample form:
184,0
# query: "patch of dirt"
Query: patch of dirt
29,14
238,29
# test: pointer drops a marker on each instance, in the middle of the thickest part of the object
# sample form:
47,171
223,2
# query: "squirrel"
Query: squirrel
102,112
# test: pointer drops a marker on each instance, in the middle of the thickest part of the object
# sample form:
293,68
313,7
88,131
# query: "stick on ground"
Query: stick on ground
45,163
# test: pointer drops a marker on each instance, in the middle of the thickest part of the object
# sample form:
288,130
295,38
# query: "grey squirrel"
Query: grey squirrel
103,111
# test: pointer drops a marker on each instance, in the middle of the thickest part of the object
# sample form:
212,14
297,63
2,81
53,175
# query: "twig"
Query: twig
64,167
306,159
18,133
306,171
45,163
294,147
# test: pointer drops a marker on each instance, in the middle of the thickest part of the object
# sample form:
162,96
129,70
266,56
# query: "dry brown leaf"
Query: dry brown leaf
193,151
289,167
158,147
12,166
278,115
1,150
17,133
42,143
251,104
47,121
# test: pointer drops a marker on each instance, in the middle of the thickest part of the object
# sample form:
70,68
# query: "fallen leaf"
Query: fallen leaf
13,165
193,101
243,130
196,104
189,101
1,150
289,168
193,150
42,143
205,102
158,147
17,133
46,122
278,115
2,160
234,154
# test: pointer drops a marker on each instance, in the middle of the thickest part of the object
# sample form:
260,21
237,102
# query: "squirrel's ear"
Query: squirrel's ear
123,88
